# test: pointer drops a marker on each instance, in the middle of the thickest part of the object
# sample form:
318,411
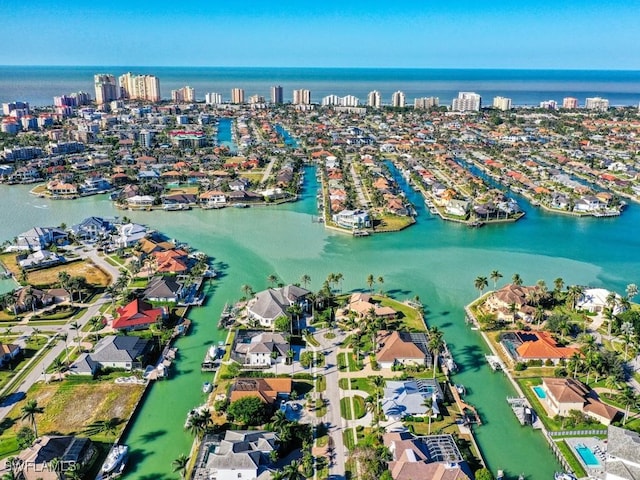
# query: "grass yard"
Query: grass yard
393,223
94,275
348,438
359,408
353,365
321,384
411,318
363,384
343,383
321,408
571,459
342,361
345,408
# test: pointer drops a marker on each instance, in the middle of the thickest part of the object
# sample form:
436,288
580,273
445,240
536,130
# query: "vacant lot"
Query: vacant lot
49,276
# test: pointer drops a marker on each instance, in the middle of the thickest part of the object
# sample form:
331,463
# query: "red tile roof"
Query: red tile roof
136,313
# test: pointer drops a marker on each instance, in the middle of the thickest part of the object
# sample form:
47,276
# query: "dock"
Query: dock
468,411
212,359
227,318
522,410
495,363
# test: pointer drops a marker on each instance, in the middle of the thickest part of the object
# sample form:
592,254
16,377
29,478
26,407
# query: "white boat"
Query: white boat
461,390
500,475
115,460
207,387
564,476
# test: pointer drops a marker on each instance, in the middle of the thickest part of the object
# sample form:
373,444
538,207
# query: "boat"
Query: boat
500,475
207,387
461,390
564,476
521,476
239,205
115,460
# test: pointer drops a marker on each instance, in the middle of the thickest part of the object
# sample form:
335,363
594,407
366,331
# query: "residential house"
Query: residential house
402,348
525,346
239,455
434,457
273,303
255,349
458,208
40,238
137,315
407,398
623,454
174,261
29,298
361,304
40,259
112,351
268,390
163,289
8,353
140,201
594,300
502,302
129,234
213,199
50,454
93,229
353,219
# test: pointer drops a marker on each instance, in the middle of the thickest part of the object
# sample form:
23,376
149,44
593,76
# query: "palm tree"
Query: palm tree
58,366
381,282
436,343
338,279
516,279
29,412
480,284
632,290
272,279
629,398
63,279
495,275
428,403
292,471
558,284
247,290
113,291
626,332
573,295
277,474
370,282
305,280
76,326
611,382
539,315
574,363
180,465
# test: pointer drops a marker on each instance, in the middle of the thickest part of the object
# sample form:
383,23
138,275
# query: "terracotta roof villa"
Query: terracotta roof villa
566,394
266,389
501,300
137,315
523,346
402,348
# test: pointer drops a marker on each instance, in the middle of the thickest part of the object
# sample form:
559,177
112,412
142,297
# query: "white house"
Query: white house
352,219
594,300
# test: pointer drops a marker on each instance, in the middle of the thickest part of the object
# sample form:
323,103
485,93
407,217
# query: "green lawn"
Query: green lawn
321,408
321,383
363,384
353,365
574,463
343,383
342,361
411,318
348,439
359,408
345,408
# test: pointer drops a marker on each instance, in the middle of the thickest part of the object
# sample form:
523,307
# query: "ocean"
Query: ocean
39,84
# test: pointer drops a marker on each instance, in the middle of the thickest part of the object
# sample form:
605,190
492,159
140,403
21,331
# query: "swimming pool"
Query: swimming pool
540,392
587,456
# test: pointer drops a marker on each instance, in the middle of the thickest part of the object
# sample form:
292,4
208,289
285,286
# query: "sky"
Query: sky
536,34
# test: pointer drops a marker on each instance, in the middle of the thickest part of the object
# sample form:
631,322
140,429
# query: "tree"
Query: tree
629,399
516,279
381,282
282,324
558,284
76,326
248,411
58,365
29,412
573,295
632,290
436,343
539,315
483,474
292,471
370,282
480,284
626,332
199,422
63,279
305,280
272,279
180,465
247,290
495,275
25,437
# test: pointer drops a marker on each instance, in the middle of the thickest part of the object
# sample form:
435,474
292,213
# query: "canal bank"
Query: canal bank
435,260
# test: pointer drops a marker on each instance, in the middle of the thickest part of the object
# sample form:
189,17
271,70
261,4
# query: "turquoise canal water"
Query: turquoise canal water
437,261
225,136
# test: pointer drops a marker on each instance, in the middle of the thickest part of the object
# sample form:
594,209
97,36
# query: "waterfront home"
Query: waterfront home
9,352
179,201
623,454
137,315
50,454
238,185
163,289
268,390
594,300
174,261
40,238
112,351
93,229
239,455
258,349
140,201
39,259
352,219
458,208
524,346
435,457
361,304
213,199
562,395
402,348
60,188
273,303
501,301
152,244
129,234
407,398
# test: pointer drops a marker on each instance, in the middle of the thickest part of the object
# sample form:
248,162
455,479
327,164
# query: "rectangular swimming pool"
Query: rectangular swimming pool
540,392
587,456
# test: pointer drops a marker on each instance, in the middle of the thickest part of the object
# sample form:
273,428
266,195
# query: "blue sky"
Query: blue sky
583,34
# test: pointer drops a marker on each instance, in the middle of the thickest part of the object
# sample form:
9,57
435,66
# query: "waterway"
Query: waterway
225,134
288,139
433,259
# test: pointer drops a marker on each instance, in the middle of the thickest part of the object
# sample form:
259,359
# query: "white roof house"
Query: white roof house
595,300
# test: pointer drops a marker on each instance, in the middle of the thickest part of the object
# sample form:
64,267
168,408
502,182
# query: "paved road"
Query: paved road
332,396
63,338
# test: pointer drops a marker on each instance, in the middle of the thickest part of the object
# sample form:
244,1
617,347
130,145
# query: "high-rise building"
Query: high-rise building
139,87
276,94
145,137
184,94
330,100
398,99
213,98
349,101
549,104
256,99
237,95
466,101
502,103
597,103
570,103
426,102
82,98
374,99
106,88
64,101
302,97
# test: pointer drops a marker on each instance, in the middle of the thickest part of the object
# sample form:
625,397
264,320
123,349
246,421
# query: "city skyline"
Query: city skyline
460,34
